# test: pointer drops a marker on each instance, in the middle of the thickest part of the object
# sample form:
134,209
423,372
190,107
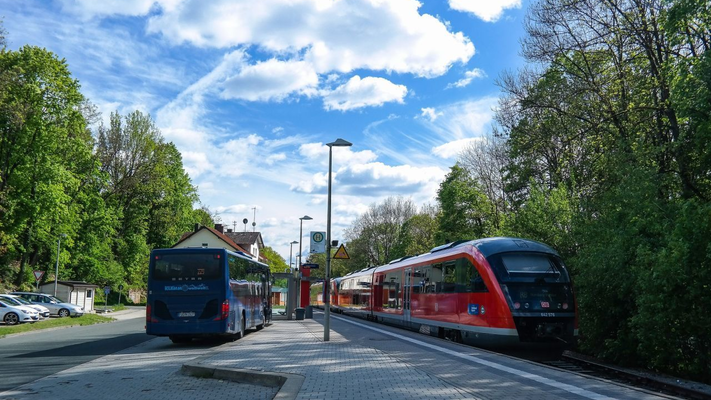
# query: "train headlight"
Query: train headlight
565,306
517,305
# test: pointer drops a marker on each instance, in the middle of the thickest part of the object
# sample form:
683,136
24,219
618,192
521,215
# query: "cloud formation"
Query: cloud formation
469,76
358,93
430,113
271,80
489,10
305,39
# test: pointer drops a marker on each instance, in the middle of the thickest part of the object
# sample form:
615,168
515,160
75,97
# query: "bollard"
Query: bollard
309,312
300,313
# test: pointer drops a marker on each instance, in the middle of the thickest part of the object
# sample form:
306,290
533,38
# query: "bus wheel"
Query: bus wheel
242,326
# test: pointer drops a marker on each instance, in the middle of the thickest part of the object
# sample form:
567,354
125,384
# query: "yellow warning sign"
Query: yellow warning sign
341,253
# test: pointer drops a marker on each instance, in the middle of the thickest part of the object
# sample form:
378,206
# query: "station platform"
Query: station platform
365,360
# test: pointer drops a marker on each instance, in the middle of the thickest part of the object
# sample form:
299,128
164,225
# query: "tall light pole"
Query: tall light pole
301,225
56,266
291,246
301,234
326,284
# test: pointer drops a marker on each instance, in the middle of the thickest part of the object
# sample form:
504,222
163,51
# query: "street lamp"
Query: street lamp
301,225
56,266
327,283
291,246
298,284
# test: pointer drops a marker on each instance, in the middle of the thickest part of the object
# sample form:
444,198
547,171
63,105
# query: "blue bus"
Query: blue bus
202,292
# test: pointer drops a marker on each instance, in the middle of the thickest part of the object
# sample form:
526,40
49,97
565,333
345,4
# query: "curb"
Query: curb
289,384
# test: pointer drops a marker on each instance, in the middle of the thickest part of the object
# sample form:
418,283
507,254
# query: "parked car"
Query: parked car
19,301
56,307
13,315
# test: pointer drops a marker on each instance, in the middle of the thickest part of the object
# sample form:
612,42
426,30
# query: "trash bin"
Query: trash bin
300,313
309,312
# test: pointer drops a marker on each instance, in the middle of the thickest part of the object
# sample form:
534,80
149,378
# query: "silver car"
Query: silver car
56,307
13,315
19,301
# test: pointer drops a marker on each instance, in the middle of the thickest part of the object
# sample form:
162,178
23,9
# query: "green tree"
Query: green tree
45,156
465,211
148,188
417,235
276,262
374,235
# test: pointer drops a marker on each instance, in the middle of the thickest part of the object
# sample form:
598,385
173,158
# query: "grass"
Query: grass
115,307
86,319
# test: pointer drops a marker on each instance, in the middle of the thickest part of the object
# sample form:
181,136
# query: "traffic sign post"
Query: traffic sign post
119,300
38,277
107,290
318,242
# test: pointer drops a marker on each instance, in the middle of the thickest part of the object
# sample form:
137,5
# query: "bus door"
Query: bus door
406,295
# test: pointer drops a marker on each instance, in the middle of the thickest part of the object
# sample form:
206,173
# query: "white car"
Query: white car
19,301
13,315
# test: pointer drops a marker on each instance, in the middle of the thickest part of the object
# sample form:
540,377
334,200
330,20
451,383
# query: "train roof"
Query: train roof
491,246
487,247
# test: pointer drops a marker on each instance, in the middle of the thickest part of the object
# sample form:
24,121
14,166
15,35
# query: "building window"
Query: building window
88,293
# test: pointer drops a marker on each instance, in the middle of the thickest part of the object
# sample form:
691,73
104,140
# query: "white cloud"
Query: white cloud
358,93
469,76
489,10
452,149
376,179
271,80
275,157
345,155
430,113
332,35
462,120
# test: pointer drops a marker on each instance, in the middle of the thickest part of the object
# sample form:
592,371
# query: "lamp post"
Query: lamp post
326,284
298,284
56,266
291,246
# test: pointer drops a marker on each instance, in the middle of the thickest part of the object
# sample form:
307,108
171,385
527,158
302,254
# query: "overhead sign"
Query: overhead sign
318,242
309,266
38,275
341,253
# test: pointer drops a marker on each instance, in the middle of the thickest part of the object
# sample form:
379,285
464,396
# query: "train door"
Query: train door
406,295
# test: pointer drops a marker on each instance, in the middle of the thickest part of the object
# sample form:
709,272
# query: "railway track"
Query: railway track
573,363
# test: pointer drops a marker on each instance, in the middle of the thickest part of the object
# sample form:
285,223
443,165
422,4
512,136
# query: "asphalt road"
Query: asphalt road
28,357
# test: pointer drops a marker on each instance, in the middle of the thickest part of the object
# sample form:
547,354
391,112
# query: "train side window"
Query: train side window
468,278
448,278
391,289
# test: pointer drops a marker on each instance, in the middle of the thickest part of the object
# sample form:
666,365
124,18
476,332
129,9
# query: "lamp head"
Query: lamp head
305,218
294,242
339,143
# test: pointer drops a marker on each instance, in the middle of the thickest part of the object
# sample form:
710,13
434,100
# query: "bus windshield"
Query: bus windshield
187,267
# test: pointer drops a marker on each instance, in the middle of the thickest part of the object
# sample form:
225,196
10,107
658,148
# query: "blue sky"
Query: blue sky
251,91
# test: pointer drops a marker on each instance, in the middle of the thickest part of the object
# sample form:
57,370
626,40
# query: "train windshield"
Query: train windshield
184,267
526,266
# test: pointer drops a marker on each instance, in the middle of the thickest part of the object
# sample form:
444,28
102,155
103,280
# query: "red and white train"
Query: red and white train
495,292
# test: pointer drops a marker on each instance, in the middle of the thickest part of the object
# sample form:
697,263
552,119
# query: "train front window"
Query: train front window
530,265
